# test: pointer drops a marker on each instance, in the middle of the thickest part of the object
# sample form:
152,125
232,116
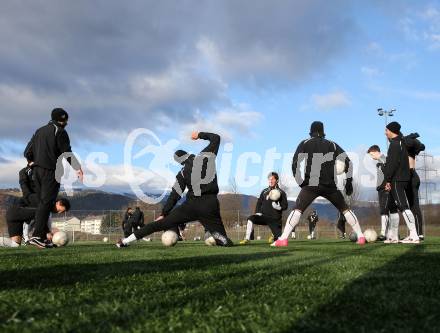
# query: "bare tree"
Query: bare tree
233,186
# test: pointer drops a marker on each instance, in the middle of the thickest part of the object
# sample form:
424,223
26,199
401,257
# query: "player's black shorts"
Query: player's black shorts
15,227
309,193
205,209
274,224
386,203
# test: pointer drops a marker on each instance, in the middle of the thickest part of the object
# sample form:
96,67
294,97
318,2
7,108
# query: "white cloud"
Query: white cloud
235,120
154,63
325,102
423,25
370,72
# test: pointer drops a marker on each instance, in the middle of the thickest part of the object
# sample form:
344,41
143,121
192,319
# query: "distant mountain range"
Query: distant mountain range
93,200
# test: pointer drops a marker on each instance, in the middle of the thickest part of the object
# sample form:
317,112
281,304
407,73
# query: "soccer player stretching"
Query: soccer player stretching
320,174
199,175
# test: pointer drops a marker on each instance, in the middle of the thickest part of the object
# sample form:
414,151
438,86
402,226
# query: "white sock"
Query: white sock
312,234
408,216
384,224
354,223
249,228
291,223
7,242
293,234
393,230
129,239
26,231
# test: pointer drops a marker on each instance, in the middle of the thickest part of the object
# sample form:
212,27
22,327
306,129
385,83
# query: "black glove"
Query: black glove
349,186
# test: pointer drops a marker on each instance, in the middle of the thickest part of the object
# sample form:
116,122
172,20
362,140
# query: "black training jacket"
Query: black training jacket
313,151
397,163
413,145
138,217
199,166
264,204
47,144
313,218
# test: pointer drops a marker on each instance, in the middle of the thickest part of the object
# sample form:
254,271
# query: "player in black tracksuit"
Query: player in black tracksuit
313,219
320,176
397,177
44,149
199,176
127,222
267,211
138,217
414,147
16,216
387,206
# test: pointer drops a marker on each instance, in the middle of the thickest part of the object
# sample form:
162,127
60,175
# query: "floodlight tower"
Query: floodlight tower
384,113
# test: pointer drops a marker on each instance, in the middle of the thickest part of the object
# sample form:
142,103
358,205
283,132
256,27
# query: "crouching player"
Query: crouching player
320,179
388,210
16,216
268,211
199,176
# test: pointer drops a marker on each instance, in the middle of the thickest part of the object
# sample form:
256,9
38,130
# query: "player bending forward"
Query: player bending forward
199,175
320,174
16,216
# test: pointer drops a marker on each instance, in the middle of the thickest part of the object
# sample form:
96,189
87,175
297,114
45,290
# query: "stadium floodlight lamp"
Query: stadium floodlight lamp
380,111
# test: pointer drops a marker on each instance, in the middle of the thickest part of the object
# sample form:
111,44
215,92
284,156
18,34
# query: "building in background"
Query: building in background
70,224
92,224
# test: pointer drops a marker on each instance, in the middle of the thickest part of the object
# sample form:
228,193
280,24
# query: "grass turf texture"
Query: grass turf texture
309,286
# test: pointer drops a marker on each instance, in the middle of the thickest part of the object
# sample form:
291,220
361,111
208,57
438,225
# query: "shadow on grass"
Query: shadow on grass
65,274
71,273
403,295
208,277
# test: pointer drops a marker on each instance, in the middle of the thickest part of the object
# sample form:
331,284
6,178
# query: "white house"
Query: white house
71,224
92,224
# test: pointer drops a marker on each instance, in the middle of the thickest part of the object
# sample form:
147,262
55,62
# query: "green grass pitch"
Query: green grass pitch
311,286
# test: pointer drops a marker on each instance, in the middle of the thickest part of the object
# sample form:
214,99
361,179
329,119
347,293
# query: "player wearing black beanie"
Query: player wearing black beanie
319,156
44,149
397,177
199,176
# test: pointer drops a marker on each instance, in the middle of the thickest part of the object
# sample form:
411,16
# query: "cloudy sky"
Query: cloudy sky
257,72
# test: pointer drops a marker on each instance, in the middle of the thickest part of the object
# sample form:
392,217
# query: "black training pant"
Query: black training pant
274,224
309,193
398,195
128,229
205,209
341,223
15,217
386,203
412,193
312,226
47,188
